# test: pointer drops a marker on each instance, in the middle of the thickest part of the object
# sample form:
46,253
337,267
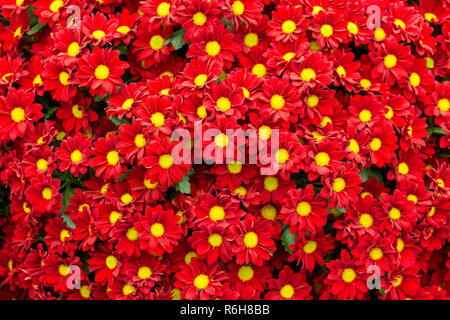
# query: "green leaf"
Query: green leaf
368,173
118,122
36,28
67,221
287,238
66,198
436,130
184,186
177,39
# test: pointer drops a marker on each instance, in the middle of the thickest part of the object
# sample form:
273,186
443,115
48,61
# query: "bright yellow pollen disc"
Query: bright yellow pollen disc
398,281
37,81
269,213
188,257
288,26
140,141
56,5
375,144
215,240
126,198
101,72
288,56
338,184
201,112
157,119
443,105
42,164
76,156
414,79
251,239
307,74
277,102
127,104
430,62
238,8
234,168
390,113
165,161
394,214
201,281
251,40
245,273
322,159
440,183
430,16
47,193
341,71
390,61
111,262
264,132
114,216
403,168
348,275
28,210
312,101
281,156
212,48
144,273
317,9
353,146
221,140
73,49
19,2
400,23
200,79
157,230
150,185
216,213
303,208
400,244
64,234
310,247
365,115
240,191
112,157
163,9
287,291
64,78
85,292
352,28
223,104
128,289
412,197
259,70
326,30
376,254
156,42
365,83
246,92
63,270
132,234
366,220
98,34
123,29
199,19
270,183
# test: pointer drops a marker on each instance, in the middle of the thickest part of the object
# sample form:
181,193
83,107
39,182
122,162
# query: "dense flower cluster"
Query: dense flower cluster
91,92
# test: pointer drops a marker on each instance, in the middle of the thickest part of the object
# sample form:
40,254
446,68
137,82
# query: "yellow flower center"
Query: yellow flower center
264,132
400,23
221,140
73,49
140,141
26,208
348,275
288,56
303,208
112,157
238,8
414,79
224,104
56,5
85,292
443,105
157,119
259,70
326,30
240,191
269,213
281,156
63,270
440,183
201,281
76,156
128,289
215,240
126,198
165,161
322,159
376,254
430,16
307,74
310,247
157,230
413,198
390,113
341,71
200,79
37,81
111,262
365,83
338,184
277,102
201,112
270,183
312,101
98,34
251,40
234,168
394,214
390,61
365,115
245,273
366,220
47,193
430,62
375,144
132,234
199,19
101,72
123,29
216,213
287,291
288,26
163,9
127,104
379,34
156,42
188,257
400,244
352,28
64,78
42,164
353,146
403,168
251,239
246,92
144,273
114,216
212,48
398,281
63,235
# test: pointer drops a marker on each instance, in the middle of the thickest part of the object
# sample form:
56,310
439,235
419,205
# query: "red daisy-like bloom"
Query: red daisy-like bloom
311,249
18,113
59,237
107,161
253,242
105,264
197,75
382,145
74,114
149,44
347,277
74,154
376,251
216,210
286,24
161,165
101,71
398,213
127,237
314,70
329,29
57,270
289,286
304,212
144,272
98,28
347,69
225,100
280,55
243,12
132,141
60,80
322,157
126,100
43,194
213,243
401,283
38,162
198,280
160,12
158,230
156,115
